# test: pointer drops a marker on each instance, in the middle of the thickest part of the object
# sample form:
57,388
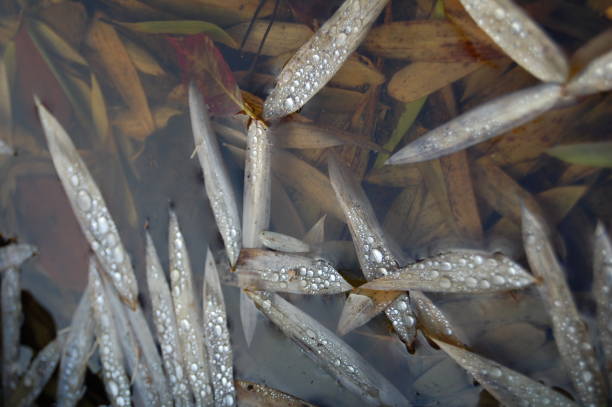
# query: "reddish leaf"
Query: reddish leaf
202,62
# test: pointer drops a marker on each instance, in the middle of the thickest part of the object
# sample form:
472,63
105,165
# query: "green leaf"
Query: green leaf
411,111
183,27
590,154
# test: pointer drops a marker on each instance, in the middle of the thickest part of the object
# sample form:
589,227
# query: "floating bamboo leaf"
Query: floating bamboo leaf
317,61
217,336
466,272
182,27
90,208
519,37
254,394
508,386
12,255
12,319
330,352
589,154
480,124
361,306
286,272
569,330
602,286
202,63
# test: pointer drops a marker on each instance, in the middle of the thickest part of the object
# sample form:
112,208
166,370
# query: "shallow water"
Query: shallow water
141,176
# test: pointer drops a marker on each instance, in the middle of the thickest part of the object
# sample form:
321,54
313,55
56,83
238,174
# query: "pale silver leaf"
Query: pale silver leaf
12,318
14,254
596,77
602,292
283,243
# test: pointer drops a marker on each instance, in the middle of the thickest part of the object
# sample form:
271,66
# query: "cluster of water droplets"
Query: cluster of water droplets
319,277
219,352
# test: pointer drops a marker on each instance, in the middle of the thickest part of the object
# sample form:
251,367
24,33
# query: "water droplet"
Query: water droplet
497,279
377,255
83,200
496,372
485,284
500,13
471,282
445,283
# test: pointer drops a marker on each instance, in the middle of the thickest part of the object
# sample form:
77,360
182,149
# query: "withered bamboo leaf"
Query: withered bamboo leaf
189,322
287,272
38,374
182,27
115,378
519,37
248,317
57,44
506,385
399,176
165,324
116,61
330,352
293,134
602,287
99,112
569,330
143,60
216,178
480,124
7,68
12,319
217,337
316,234
361,306
432,321
283,37
251,394
590,154
458,272
426,41
89,207
12,255
75,354
318,60
283,243
422,78
257,185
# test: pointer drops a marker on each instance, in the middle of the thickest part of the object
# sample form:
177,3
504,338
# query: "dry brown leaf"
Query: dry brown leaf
422,78
426,40
116,62
283,37
222,12
399,176
143,60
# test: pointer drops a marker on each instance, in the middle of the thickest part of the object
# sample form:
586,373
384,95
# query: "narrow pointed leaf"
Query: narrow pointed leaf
38,374
602,289
569,330
596,77
361,306
115,378
432,320
330,352
591,154
519,37
217,181
13,255
318,60
248,317
75,354
90,209
165,324
285,272
508,386
254,395
283,243
316,234
457,272
480,124
217,337
183,27
188,320
12,319
257,184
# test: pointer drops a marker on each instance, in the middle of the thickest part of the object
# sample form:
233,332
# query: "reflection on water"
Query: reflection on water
120,93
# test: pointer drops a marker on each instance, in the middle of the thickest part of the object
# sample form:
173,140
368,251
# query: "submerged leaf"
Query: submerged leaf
182,27
318,60
283,37
519,37
203,64
457,272
590,154
330,352
570,331
286,272
89,207
508,386
480,124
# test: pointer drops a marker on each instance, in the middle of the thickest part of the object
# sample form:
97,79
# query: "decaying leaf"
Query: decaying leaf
282,38
183,27
589,154
361,306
